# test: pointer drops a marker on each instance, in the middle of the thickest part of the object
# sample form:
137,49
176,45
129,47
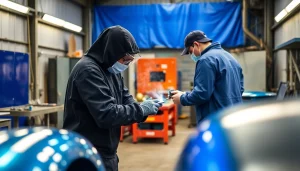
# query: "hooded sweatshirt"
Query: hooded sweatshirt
97,103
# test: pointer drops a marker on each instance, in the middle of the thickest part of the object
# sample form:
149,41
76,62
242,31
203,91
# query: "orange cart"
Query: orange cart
168,115
125,129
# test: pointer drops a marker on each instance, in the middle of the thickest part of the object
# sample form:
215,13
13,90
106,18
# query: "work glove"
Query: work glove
150,107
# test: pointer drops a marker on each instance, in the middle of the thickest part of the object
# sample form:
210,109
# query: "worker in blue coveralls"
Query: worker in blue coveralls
218,80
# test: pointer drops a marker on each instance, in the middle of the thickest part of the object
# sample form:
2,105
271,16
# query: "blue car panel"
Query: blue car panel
41,148
252,136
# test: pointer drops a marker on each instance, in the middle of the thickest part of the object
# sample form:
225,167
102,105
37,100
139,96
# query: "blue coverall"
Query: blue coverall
218,82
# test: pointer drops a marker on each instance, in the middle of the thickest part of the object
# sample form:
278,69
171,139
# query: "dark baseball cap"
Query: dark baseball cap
196,35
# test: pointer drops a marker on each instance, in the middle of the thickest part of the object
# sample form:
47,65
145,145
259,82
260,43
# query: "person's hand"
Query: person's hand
176,94
150,107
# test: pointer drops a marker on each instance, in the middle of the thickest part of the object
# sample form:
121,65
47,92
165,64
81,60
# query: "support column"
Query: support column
269,40
33,30
87,23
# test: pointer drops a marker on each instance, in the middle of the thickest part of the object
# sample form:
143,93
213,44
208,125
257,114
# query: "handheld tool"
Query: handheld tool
170,94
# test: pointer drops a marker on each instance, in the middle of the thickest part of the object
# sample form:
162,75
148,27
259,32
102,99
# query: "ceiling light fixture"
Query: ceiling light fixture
61,23
14,6
287,10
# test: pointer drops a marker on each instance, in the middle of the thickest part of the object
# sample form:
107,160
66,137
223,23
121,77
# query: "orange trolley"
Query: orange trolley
125,129
169,113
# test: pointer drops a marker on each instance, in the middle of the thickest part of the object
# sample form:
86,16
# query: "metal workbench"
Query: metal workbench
36,111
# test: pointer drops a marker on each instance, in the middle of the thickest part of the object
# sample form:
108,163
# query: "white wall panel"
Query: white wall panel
13,27
254,69
53,37
56,38
43,69
287,31
280,67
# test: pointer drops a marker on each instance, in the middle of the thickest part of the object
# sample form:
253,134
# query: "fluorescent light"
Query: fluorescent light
64,24
53,20
292,5
280,16
72,27
287,9
14,6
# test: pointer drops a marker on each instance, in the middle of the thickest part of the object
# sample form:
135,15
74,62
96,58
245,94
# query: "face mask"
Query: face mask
117,68
194,57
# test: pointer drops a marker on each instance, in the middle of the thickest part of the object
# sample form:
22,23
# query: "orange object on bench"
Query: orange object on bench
169,113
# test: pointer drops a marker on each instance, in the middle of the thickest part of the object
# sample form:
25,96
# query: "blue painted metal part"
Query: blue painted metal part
6,79
253,94
14,81
257,95
43,148
207,150
21,88
252,136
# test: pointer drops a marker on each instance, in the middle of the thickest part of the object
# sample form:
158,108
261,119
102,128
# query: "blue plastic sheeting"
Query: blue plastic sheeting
168,24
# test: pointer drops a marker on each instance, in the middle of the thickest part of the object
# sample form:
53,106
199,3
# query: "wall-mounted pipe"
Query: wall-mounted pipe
245,28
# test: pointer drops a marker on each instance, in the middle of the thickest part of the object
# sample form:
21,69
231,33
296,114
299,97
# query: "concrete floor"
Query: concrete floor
152,154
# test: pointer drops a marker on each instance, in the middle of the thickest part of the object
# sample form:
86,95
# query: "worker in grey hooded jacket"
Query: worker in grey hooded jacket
97,102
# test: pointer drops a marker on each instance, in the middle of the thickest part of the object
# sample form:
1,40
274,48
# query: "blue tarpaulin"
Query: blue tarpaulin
167,24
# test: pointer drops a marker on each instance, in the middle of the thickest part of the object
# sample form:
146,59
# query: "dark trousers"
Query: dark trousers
111,164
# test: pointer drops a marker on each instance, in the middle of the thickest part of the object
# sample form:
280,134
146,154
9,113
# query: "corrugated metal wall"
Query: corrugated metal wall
54,37
24,2
288,30
66,10
132,2
63,9
13,27
280,67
